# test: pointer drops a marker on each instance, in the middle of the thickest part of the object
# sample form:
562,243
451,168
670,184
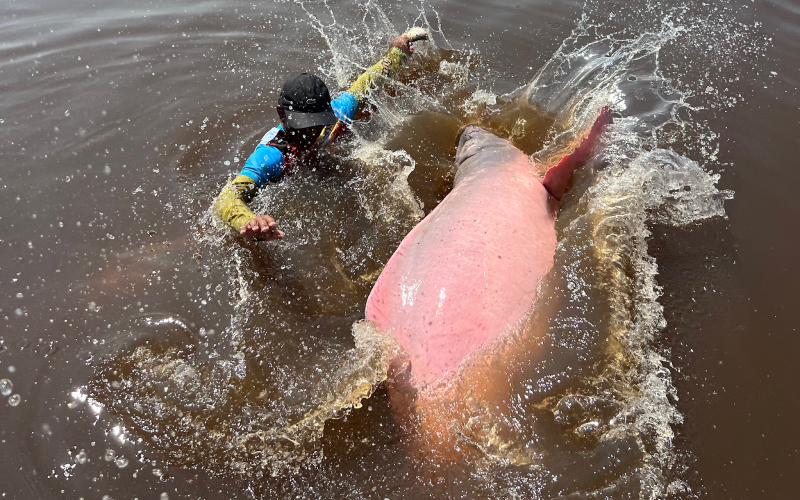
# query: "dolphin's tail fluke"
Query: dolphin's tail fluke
557,178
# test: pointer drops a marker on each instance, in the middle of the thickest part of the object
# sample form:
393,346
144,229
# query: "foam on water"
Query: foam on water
623,393
202,413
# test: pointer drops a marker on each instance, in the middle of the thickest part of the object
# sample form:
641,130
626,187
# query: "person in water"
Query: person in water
309,119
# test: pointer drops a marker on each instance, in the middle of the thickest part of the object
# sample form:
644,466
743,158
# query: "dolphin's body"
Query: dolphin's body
470,271
473,265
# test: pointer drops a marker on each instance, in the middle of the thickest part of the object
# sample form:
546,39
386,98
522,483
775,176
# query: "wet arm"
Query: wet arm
347,105
264,165
375,75
231,203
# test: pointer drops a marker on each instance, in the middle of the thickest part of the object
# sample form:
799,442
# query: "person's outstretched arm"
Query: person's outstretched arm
231,207
399,49
265,164
347,105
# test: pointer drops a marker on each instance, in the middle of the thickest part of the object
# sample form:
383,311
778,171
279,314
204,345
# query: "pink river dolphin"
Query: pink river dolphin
469,272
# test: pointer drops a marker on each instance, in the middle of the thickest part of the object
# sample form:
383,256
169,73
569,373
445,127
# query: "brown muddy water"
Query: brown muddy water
146,352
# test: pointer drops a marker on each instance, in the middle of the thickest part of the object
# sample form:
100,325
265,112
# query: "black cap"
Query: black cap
306,101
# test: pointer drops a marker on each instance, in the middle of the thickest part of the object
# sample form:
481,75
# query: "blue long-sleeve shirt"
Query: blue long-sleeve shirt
267,163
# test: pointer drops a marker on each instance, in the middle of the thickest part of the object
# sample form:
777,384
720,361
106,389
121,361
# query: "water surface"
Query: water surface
148,352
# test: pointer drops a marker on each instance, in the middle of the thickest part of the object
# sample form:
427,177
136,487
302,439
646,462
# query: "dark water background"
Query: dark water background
121,120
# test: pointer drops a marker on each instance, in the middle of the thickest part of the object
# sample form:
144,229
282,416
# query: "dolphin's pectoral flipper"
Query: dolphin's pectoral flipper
557,178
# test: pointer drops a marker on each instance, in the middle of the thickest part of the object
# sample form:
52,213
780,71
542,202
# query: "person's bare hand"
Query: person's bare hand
262,227
403,43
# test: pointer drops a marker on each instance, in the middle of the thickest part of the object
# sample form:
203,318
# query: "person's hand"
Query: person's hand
262,227
402,42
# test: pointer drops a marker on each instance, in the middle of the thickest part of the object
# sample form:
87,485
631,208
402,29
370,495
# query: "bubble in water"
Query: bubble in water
81,458
121,462
164,496
6,386
49,349
588,429
109,455
14,400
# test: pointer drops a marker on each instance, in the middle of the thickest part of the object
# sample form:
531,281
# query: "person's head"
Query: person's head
304,108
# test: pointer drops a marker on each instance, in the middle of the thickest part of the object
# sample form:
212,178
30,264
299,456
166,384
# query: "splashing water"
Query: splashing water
591,392
624,397
204,414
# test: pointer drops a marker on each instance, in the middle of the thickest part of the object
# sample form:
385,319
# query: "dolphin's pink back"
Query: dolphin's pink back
472,267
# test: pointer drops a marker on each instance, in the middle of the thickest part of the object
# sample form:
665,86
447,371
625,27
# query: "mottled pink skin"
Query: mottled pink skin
472,267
